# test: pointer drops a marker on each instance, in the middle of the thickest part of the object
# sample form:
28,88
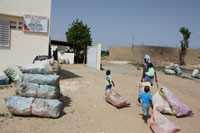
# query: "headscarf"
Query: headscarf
147,58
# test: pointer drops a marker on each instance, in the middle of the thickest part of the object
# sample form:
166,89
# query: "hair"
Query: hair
146,89
108,72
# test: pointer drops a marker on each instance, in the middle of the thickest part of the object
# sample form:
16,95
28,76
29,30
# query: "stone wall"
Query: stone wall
159,55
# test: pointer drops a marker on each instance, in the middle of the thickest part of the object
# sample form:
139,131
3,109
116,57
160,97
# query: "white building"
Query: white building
24,30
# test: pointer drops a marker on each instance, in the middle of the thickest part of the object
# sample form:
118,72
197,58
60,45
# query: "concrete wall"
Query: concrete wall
160,55
22,7
24,46
94,56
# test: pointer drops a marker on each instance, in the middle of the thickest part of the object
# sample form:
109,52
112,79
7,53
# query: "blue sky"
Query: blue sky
117,22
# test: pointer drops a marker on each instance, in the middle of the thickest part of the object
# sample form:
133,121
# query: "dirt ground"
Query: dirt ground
87,112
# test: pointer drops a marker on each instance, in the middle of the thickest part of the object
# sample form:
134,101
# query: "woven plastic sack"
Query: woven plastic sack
37,91
14,73
116,99
37,68
4,80
169,72
180,108
19,105
160,104
160,124
42,79
38,107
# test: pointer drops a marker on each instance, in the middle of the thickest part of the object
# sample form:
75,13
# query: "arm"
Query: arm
113,83
156,78
143,73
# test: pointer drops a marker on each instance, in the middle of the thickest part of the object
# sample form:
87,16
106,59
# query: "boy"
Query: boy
145,99
109,80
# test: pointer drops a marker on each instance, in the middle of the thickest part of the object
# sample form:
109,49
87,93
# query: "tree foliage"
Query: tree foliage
80,36
184,43
186,35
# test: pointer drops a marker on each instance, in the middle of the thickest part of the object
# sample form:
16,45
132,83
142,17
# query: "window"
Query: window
16,25
4,34
20,25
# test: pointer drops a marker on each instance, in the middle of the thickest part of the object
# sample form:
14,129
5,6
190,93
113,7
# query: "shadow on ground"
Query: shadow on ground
67,103
65,74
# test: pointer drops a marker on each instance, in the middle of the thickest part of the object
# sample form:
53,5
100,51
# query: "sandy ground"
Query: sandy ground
87,112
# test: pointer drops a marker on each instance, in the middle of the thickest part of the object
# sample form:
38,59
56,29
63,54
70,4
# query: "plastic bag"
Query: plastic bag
4,80
37,68
47,108
42,79
116,99
38,107
14,73
19,105
37,91
160,124
160,104
180,108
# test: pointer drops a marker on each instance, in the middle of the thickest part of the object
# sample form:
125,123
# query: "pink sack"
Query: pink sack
180,108
160,124
116,99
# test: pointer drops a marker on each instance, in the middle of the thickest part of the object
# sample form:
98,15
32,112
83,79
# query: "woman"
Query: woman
148,71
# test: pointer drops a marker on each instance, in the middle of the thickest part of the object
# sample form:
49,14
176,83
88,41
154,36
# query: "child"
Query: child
109,81
145,99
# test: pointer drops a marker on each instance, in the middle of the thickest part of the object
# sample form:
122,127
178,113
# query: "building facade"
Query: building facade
24,30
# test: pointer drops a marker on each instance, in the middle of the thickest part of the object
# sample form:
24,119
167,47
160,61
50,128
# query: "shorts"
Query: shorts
108,87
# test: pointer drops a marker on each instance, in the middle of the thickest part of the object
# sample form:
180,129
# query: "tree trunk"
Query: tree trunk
182,56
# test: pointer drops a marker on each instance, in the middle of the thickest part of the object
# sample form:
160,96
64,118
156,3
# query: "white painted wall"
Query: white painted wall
94,56
24,46
22,7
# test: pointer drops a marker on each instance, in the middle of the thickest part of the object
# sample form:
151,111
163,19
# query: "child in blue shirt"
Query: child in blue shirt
145,99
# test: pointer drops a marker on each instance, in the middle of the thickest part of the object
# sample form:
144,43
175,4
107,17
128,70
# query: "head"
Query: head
146,89
108,72
147,58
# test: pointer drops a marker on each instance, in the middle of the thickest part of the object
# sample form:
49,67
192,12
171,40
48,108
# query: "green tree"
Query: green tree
80,36
184,44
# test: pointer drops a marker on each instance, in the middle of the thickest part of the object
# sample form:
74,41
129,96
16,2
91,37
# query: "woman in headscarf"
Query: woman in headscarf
148,71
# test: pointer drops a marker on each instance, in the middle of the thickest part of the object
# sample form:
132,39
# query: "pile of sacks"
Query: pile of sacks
37,91
196,73
165,102
173,69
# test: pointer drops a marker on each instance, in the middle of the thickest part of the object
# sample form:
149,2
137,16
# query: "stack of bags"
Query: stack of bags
37,91
165,102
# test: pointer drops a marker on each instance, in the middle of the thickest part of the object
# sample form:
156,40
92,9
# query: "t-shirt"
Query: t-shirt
145,98
150,72
109,79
